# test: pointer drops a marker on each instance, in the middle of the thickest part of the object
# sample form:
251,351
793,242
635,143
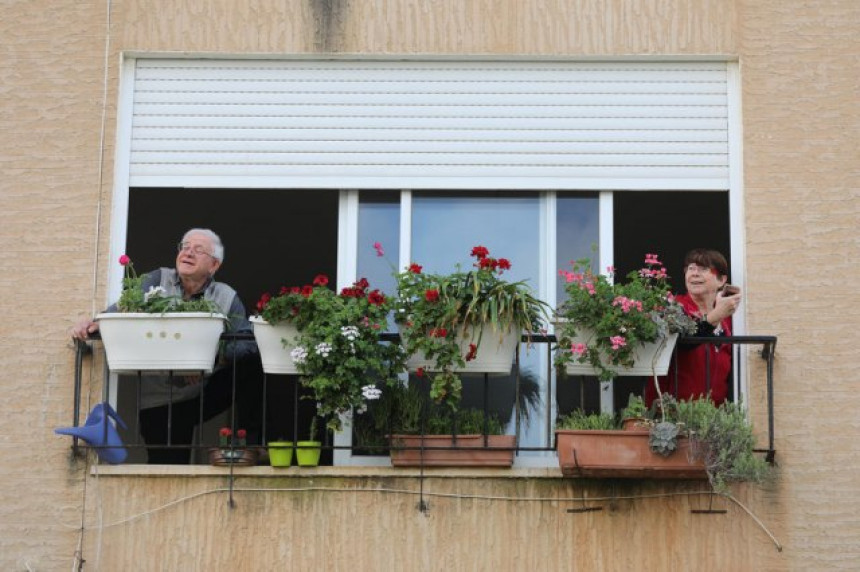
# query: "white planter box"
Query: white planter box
648,359
493,356
275,343
182,341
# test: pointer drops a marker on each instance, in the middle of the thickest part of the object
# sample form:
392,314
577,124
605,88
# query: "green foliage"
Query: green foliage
663,438
578,420
154,301
635,408
724,439
433,308
619,317
404,409
339,351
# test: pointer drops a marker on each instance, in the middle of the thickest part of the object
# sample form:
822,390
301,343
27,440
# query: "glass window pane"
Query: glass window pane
379,222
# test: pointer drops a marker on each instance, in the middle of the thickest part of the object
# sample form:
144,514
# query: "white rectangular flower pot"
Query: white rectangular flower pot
494,356
652,358
180,341
275,342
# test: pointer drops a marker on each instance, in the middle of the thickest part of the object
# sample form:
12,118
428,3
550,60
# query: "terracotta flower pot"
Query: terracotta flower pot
443,451
622,454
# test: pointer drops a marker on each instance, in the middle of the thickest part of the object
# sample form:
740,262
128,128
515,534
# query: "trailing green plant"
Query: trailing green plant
339,352
433,309
155,300
723,438
635,408
619,317
579,420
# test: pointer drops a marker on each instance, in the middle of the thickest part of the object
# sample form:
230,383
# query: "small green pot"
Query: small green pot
308,453
280,453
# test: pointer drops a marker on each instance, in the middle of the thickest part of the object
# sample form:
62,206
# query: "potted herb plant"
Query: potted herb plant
339,353
688,439
609,329
152,331
451,322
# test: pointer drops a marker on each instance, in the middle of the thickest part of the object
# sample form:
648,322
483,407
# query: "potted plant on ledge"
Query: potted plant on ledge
420,432
468,320
149,331
687,439
609,329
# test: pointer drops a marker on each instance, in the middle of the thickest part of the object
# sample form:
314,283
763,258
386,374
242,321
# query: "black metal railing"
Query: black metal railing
766,344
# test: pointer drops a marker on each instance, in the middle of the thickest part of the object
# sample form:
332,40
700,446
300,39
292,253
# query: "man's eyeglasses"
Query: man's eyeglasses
195,249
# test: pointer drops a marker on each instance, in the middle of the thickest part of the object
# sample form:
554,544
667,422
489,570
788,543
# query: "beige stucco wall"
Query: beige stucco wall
799,73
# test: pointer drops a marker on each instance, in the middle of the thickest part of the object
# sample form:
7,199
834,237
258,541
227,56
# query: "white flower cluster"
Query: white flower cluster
323,349
299,354
349,332
371,392
154,292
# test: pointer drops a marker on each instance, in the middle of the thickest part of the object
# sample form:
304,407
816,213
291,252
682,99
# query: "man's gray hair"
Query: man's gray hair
217,245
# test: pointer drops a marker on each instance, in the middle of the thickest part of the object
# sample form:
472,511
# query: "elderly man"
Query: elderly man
200,255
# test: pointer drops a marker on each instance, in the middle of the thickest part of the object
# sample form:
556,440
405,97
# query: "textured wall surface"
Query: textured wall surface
799,63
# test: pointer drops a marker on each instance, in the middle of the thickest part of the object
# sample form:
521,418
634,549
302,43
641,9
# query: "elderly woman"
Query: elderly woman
703,369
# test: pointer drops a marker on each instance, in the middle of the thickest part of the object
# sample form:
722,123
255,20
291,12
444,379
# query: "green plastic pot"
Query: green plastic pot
280,453
308,453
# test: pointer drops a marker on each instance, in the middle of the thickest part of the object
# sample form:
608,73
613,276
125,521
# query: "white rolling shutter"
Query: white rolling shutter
429,124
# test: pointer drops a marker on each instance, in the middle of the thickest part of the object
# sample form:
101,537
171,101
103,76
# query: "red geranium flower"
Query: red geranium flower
307,290
320,280
504,264
241,433
124,260
480,252
376,298
225,432
419,372
415,268
431,295
438,333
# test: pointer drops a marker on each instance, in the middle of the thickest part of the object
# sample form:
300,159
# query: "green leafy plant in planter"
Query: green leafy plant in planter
399,410
720,437
133,299
619,317
579,420
432,310
339,352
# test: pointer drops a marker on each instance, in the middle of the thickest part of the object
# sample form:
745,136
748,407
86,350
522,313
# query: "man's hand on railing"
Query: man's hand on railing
83,329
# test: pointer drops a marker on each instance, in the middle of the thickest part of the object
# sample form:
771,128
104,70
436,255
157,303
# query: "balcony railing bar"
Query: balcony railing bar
767,353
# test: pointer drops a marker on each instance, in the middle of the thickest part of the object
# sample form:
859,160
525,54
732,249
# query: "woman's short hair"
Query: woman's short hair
217,245
709,259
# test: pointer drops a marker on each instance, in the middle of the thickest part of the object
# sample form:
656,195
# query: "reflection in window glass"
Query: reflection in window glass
379,221
577,233
577,237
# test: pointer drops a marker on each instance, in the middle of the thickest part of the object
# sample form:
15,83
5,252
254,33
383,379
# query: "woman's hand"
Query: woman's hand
725,305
